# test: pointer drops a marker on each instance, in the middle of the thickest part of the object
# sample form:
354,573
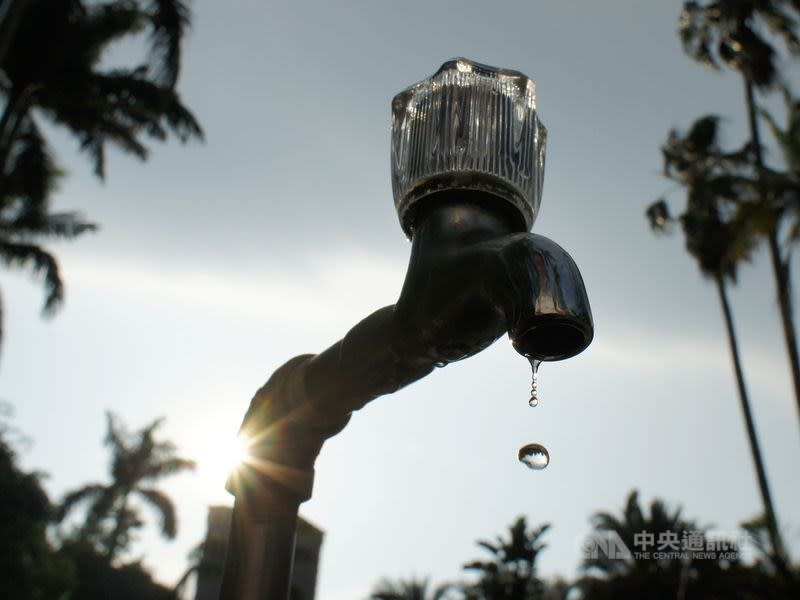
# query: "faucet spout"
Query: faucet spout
471,277
549,316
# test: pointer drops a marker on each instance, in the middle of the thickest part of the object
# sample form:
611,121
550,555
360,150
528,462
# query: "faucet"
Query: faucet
475,273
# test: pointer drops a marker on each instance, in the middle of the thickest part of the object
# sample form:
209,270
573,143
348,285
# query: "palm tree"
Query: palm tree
25,217
51,71
784,187
629,527
730,32
138,461
408,589
758,536
511,572
29,565
10,14
664,575
719,238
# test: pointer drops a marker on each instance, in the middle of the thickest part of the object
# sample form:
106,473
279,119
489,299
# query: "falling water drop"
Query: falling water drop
534,456
534,401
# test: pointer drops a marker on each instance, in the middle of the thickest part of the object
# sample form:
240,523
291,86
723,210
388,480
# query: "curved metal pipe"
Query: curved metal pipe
471,277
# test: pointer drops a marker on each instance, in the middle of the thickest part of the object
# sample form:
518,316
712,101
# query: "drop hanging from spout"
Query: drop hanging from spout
534,399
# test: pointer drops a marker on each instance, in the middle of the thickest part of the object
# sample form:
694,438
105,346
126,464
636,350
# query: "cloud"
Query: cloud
338,287
664,353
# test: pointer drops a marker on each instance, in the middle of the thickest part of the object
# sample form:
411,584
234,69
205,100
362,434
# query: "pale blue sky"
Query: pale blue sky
218,262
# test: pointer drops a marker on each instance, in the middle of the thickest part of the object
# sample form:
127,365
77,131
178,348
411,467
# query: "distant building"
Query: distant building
212,564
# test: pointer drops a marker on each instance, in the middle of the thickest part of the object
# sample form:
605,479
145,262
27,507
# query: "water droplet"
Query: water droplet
439,364
534,456
534,401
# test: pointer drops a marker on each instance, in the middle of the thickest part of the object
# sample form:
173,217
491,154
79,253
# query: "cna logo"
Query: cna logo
607,544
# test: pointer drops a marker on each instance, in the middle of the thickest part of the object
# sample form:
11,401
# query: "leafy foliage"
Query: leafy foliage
732,32
52,71
29,568
721,213
749,36
510,574
668,575
98,579
138,461
783,188
732,205
408,589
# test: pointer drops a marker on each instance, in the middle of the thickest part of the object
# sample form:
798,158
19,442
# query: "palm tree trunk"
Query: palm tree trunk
119,529
9,111
755,450
14,112
780,269
17,106
10,17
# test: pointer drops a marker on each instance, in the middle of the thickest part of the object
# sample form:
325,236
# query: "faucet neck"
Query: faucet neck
461,217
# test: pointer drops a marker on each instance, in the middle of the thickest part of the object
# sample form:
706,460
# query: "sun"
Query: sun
236,453
222,458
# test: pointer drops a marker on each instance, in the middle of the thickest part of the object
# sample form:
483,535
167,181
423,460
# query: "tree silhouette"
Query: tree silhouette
51,71
98,579
783,187
29,566
719,236
408,589
628,528
138,461
25,217
679,565
511,572
735,33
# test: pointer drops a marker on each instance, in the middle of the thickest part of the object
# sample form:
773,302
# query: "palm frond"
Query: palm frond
67,225
170,466
489,547
782,24
101,25
789,138
402,589
116,435
696,35
42,263
166,510
31,173
481,565
723,32
118,108
88,492
169,20
702,137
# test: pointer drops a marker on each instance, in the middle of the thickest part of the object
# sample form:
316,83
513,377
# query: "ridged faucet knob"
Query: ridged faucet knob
469,127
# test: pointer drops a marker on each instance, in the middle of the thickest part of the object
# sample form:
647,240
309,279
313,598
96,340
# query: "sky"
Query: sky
217,262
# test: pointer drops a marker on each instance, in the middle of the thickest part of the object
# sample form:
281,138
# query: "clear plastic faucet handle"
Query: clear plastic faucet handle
468,127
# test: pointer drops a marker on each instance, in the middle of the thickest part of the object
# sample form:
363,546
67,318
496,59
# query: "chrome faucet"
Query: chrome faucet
467,164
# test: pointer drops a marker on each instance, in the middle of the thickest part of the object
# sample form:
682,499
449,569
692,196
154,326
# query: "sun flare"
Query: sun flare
222,458
237,453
